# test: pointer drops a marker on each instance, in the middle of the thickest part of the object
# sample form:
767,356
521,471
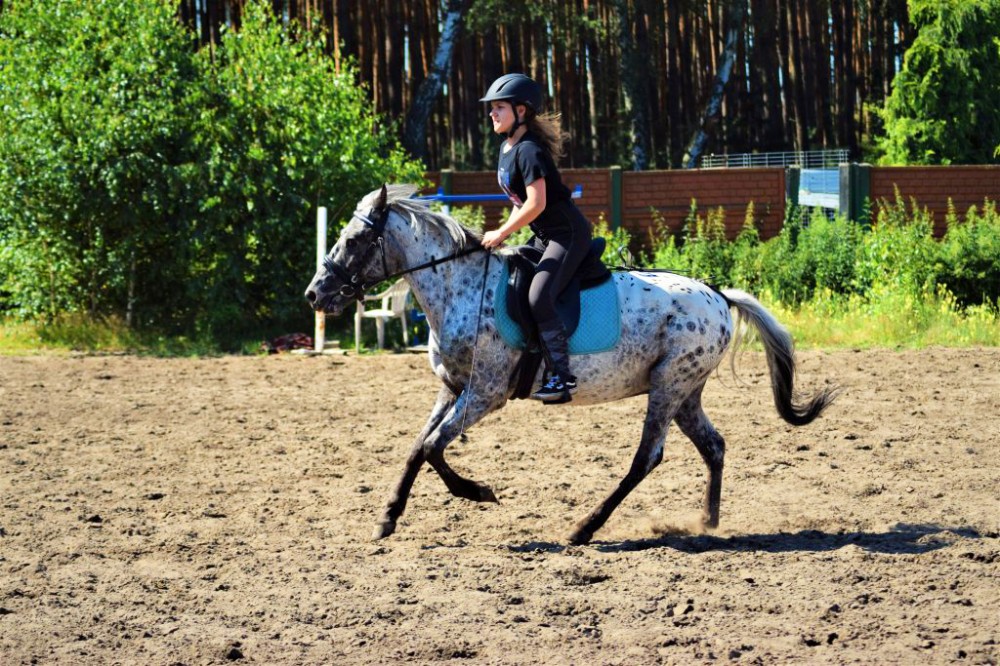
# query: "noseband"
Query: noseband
354,287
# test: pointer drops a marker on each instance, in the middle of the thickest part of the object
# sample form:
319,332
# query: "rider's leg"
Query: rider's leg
562,256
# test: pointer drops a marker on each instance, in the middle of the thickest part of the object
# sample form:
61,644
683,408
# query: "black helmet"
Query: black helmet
516,88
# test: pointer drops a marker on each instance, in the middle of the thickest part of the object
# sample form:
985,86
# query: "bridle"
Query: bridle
354,286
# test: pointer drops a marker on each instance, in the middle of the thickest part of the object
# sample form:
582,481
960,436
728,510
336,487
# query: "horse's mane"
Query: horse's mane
400,197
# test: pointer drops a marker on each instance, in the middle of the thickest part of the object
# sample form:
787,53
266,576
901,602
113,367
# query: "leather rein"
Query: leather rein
354,286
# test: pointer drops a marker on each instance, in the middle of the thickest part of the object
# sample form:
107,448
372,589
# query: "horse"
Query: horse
675,332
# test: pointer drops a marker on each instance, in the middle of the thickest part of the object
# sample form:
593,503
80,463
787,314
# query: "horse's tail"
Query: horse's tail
780,359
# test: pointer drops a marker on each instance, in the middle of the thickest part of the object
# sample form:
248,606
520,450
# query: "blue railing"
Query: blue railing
448,199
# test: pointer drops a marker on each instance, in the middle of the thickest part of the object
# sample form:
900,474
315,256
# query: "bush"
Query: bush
96,99
666,250
618,241
830,261
709,255
899,253
969,257
176,189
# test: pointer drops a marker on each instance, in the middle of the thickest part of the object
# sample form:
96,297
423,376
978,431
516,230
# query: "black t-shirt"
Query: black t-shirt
525,163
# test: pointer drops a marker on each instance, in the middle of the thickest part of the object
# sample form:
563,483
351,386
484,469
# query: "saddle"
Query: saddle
521,266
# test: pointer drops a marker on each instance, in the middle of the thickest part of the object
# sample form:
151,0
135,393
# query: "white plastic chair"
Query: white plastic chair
393,301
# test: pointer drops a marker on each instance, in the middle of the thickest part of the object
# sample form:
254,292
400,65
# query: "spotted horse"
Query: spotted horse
674,332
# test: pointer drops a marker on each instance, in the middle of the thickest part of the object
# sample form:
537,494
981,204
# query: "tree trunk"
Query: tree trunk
415,135
633,75
734,19
795,91
675,97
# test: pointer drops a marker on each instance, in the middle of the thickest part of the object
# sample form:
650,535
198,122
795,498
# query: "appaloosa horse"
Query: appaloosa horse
674,333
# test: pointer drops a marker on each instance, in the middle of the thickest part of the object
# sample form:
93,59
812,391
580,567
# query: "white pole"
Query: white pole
319,338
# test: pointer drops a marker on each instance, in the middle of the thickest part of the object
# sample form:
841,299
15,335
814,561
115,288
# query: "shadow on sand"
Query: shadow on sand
902,539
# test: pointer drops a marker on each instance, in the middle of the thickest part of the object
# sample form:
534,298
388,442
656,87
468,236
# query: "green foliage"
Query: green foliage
903,285
141,178
708,251
280,133
945,103
702,250
618,240
899,254
969,256
94,96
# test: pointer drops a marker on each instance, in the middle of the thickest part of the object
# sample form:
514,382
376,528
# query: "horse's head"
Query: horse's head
357,261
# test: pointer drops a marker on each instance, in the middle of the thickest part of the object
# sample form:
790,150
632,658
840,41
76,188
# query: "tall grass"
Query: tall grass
77,333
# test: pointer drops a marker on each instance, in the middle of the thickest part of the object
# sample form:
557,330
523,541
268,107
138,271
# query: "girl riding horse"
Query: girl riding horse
528,176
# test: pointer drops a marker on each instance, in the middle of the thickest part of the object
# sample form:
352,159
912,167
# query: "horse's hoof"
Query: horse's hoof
580,537
384,529
486,495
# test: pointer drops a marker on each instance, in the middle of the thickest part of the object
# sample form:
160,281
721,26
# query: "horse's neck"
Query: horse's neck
449,291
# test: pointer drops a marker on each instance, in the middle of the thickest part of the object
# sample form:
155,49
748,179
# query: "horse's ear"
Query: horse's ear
383,198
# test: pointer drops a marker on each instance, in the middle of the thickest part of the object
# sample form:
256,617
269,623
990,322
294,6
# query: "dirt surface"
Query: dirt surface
199,511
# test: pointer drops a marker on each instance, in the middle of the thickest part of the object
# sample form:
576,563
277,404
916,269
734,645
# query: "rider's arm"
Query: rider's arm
520,217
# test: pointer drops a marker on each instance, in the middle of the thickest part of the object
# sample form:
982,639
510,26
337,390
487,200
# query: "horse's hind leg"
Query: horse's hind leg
397,500
693,422
654,432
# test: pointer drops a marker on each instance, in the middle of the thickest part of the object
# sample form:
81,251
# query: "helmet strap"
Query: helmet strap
513,128
517,122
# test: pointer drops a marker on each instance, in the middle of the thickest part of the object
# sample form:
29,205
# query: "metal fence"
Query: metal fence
807,159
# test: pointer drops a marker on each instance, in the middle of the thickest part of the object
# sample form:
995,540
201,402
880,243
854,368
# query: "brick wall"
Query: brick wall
671,192
932,186
596,199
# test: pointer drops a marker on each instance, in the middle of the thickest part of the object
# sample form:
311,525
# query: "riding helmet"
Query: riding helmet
516,88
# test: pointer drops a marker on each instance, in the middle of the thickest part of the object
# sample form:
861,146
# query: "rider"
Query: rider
528,176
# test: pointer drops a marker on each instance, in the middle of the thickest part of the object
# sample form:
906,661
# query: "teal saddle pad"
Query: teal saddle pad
600,319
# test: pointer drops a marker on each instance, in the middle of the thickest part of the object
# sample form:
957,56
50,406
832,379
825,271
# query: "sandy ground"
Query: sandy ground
200,511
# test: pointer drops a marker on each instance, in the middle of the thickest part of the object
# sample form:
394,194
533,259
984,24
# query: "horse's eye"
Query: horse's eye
351,243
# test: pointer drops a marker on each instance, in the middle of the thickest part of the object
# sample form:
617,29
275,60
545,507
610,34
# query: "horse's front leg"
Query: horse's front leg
469,409
401,493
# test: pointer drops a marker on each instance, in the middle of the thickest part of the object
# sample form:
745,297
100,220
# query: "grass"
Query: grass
75,333
888,321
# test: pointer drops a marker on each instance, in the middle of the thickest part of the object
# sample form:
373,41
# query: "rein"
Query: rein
354,287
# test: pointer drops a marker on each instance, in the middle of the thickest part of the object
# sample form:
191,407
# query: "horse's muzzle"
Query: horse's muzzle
323,303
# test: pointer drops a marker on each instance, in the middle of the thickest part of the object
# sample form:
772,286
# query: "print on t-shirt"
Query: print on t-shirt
503,177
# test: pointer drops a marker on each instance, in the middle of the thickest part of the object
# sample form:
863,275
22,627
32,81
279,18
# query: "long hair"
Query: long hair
548,128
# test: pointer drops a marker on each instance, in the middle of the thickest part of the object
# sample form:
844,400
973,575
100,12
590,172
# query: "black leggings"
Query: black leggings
566,233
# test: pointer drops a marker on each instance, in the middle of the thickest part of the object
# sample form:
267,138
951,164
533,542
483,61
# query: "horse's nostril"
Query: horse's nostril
311,296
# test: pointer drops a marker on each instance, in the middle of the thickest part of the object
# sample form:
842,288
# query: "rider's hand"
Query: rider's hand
492,239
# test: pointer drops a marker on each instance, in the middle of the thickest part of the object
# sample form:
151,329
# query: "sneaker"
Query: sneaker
556,390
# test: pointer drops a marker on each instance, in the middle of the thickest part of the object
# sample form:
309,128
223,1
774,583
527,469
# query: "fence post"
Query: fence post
855,188
319,337
446,185
616,197
793,180
863,192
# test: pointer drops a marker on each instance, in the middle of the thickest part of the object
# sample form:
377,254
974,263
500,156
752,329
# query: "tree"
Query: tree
95,99
280,133
945,103
635,77
175,188
735,16
415,133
